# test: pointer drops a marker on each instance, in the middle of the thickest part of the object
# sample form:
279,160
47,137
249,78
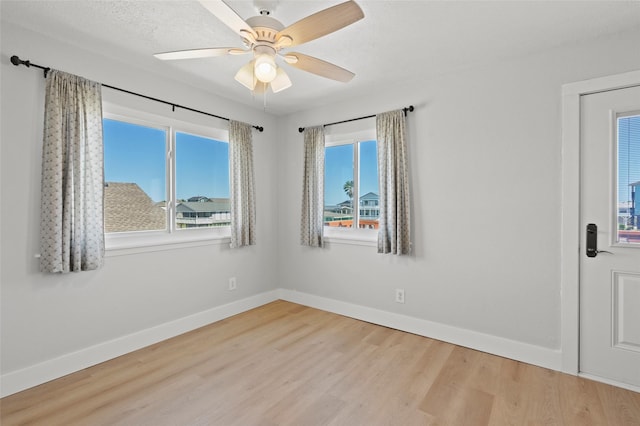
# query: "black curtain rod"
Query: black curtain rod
17,61
410,108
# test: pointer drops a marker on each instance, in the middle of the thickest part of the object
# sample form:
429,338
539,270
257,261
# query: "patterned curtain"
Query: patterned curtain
312,222
393,172
71,226
243,203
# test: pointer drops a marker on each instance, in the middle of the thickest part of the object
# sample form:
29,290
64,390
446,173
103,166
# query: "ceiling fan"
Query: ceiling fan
265,37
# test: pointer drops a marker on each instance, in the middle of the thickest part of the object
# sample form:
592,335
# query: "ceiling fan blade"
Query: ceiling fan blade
318,67
228,16
322,23
281,81
197,53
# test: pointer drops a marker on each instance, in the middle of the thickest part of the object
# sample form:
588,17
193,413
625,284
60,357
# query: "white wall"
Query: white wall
485,149
49,316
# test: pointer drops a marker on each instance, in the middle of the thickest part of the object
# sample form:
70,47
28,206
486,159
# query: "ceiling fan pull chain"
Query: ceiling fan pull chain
264,99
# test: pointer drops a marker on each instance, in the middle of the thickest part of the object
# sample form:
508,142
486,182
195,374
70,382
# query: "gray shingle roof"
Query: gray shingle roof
211,206
128,208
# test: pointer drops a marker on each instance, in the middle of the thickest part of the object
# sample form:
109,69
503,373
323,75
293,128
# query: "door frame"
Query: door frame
570,227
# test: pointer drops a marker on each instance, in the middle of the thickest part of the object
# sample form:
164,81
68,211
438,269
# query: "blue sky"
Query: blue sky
134,153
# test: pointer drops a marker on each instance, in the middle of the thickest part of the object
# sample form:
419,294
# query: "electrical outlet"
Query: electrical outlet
399,295
232,283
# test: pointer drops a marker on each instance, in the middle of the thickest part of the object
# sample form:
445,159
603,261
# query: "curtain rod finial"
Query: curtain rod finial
15,60
300,129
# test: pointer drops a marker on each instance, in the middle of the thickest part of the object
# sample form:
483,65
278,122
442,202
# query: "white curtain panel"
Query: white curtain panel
243,203
312,221
72,222
393,172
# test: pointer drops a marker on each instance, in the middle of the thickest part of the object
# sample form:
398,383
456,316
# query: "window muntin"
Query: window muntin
144,240
628,179
351,185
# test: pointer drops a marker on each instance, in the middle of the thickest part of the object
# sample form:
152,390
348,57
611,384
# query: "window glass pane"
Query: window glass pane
338,186
202,182
629,179
135,177
369,193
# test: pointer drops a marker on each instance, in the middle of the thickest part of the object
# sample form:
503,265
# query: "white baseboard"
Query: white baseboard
512,349
34,375
615,383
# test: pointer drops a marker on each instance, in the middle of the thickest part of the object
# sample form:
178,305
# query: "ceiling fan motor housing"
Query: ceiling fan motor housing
266,28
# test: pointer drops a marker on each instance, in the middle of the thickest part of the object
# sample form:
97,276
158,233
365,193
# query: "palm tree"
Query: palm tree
348,189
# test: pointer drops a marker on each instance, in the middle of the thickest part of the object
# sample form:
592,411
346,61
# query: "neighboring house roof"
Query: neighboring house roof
128,208
635,183
198,199
212,206
367,196
370,196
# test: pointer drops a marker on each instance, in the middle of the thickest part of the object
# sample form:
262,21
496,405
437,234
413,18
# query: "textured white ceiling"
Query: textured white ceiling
396,41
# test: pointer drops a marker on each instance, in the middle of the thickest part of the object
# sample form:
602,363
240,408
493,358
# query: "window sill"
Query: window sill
358,237
145,242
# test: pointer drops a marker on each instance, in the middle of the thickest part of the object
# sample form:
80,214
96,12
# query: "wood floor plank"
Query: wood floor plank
287,364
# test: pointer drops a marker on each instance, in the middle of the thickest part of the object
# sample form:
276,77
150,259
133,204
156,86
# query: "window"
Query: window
351,184
166,181
628,202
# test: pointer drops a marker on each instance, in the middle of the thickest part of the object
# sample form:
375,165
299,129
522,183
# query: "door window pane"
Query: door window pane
202,182
135,177
629,179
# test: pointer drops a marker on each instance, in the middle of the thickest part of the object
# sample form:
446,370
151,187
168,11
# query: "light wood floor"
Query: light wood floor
286,364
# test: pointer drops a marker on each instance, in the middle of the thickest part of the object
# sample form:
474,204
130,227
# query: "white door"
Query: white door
610,272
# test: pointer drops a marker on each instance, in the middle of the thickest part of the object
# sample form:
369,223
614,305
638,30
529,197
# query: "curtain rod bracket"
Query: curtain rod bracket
15,60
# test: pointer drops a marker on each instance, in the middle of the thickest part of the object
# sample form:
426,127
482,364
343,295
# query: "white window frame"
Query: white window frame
119,243
352,134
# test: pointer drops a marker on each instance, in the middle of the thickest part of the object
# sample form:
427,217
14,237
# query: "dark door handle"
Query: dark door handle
592,241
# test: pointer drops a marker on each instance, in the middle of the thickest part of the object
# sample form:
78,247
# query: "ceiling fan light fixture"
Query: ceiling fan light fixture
281,81
246,77
265,68
264,37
